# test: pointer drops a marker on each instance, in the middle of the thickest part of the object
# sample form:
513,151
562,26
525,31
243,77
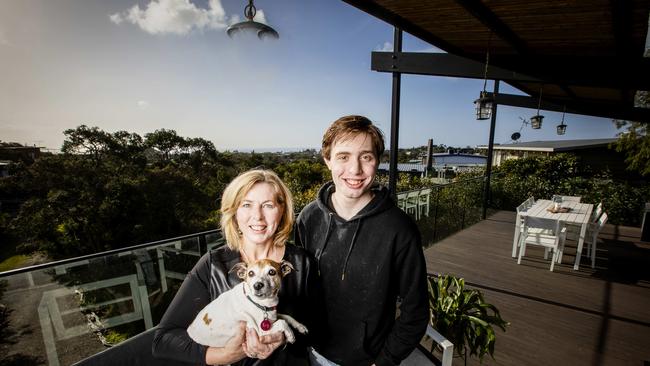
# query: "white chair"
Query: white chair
423,201
401,200
595,214
547,233
573,231
570,199
519,223
411,203
529,202
592,237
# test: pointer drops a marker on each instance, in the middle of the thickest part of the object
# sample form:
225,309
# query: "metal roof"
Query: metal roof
554,146
585,56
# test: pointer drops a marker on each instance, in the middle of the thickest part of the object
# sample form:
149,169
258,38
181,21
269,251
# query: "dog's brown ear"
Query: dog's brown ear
240,268
286,268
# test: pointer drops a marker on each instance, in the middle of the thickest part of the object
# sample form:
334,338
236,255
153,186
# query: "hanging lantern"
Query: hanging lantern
536,121
561,128
483,106
484,103
261,30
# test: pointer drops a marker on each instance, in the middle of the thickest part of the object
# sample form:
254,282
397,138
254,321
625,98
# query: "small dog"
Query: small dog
254,301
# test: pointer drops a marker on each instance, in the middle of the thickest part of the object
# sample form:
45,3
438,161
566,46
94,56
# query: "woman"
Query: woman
257,219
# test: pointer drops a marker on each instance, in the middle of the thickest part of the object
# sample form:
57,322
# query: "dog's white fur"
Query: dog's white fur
219,321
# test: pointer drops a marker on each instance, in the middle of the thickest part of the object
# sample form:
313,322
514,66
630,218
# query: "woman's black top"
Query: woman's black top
210,277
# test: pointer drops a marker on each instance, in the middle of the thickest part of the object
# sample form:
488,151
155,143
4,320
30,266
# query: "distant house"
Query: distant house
441,162
457,162
412,168
12,151
4,168
593,152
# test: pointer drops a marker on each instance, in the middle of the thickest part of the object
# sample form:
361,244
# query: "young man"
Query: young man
369,254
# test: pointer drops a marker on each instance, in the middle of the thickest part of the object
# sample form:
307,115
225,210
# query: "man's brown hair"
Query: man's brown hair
348,127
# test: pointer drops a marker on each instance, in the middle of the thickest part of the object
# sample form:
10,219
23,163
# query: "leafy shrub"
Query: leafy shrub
463,317
541,177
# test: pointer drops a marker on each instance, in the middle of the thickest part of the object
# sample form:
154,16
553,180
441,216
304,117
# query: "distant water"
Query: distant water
274,149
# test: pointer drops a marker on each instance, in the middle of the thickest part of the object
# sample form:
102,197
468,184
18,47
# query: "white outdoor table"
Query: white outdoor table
578,214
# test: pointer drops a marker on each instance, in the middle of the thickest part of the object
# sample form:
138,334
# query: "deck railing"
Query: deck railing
61,312
442,210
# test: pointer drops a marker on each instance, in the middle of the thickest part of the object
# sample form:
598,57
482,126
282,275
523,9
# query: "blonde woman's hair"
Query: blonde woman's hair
234,194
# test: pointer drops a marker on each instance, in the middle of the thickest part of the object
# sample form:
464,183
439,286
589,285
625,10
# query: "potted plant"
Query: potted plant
463,317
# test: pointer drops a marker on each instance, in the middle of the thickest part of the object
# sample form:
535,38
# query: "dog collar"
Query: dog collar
265,308
265,324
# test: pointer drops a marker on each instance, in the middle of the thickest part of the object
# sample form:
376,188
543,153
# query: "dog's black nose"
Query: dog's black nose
258,285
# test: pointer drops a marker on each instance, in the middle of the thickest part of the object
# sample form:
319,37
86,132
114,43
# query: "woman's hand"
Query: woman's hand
231,352
262,347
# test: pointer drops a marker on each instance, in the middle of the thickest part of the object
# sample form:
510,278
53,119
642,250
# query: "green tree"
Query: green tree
635,143
166,142
635,140
541,177
303,178
102,193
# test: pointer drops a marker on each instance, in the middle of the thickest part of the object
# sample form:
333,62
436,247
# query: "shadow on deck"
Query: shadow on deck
594,317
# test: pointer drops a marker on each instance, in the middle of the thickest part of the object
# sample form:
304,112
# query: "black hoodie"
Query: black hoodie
365,264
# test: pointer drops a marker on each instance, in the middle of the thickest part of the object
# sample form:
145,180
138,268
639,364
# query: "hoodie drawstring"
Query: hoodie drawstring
354,239
319,251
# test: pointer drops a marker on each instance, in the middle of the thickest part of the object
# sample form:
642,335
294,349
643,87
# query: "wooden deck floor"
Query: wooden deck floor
590,317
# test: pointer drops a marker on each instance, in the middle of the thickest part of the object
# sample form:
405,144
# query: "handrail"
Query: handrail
442,186
102,254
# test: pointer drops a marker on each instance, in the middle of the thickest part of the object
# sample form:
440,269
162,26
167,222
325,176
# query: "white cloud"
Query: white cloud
143,104
386,47
3,39
173,16
115,18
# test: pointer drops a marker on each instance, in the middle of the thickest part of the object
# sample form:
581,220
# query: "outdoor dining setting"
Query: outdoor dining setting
550,223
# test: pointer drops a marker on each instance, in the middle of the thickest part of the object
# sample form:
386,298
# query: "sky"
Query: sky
144,65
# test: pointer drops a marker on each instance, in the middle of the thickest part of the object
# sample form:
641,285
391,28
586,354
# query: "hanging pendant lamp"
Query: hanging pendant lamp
261,30
561,128
536,120
484,102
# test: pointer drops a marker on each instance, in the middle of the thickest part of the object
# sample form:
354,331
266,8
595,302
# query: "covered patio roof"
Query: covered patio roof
589,57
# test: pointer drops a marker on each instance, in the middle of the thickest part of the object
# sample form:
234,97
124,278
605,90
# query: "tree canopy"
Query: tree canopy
635,140
110,190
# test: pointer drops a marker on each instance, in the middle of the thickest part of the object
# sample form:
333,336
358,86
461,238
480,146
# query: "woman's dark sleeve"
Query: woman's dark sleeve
171,340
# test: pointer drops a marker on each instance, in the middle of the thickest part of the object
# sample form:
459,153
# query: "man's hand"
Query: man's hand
262,347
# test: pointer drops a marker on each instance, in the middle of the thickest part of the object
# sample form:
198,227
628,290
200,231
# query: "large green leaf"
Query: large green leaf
463,317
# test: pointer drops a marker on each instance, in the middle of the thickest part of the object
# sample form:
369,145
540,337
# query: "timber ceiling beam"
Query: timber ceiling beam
601,72
405,25
494,24
441,64
589,109
622,24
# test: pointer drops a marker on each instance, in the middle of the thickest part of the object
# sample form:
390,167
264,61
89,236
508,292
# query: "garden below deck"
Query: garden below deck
591,316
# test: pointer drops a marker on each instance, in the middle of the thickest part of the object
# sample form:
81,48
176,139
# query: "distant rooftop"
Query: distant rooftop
553,146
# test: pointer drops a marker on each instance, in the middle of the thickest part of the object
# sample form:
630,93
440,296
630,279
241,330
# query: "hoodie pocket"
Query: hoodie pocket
349,341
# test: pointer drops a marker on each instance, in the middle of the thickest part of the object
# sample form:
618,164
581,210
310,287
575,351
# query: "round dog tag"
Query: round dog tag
265,324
